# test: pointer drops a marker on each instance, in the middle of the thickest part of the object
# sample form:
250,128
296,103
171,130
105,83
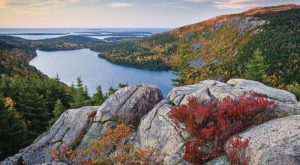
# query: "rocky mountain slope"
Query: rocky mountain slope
275,141
221,47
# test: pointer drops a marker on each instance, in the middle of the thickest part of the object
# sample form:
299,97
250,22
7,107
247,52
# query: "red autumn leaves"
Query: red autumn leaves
212,123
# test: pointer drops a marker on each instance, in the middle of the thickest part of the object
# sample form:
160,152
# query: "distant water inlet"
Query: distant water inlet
96,71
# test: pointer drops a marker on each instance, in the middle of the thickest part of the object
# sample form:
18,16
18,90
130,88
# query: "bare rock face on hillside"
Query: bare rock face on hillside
76,127
245,24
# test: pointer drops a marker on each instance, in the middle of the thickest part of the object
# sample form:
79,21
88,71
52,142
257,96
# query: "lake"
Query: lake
96,71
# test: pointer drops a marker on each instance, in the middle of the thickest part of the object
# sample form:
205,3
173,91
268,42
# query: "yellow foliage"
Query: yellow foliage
9,103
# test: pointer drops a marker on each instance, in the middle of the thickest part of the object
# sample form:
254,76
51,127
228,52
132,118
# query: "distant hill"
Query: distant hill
223,47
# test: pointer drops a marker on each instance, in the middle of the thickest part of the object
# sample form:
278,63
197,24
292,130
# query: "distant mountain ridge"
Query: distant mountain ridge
222,47
264,10
250,12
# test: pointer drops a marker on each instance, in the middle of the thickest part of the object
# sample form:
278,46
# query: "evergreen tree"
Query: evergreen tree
29,96
80,95
59,108
98,98
256,69
12,128
121,85
111,91
57,77
79,84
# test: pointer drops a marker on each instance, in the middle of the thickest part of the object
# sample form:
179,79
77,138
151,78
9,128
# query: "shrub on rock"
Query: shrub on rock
114,148
213,123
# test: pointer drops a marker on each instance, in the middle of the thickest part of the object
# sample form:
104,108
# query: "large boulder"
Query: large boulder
127,105
77,127
234,88
160,133
180,95
66,130
209,90
274,142
167,137
277,94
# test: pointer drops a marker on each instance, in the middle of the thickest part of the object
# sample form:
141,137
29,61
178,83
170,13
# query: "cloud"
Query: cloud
229,4
234,4
39,3
121,5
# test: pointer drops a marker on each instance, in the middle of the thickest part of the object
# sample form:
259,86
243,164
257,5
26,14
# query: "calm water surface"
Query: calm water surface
95,71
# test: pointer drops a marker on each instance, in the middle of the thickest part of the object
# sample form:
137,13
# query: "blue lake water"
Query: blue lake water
96,71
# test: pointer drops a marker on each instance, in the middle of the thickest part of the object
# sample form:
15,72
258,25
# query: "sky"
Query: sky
119,13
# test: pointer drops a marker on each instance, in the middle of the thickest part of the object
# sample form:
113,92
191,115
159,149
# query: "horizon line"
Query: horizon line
87,27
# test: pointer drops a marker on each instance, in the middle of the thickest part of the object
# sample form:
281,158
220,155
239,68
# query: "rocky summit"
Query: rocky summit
275,140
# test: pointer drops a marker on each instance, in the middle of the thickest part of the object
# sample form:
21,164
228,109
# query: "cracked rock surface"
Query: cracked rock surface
64,131
81,125
274,142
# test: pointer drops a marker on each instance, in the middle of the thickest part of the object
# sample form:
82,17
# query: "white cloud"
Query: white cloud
229,4
234,4
39,3
121,5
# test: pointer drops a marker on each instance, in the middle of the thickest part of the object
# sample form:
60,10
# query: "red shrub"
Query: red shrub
235,151
213,123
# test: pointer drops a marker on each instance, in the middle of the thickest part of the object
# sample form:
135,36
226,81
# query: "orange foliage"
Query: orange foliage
112,137
114,140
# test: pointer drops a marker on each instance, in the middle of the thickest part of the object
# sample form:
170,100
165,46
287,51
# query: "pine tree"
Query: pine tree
98,97
256,69
30,99
121,85
59,108
111,91
12,128
80,95
79,84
